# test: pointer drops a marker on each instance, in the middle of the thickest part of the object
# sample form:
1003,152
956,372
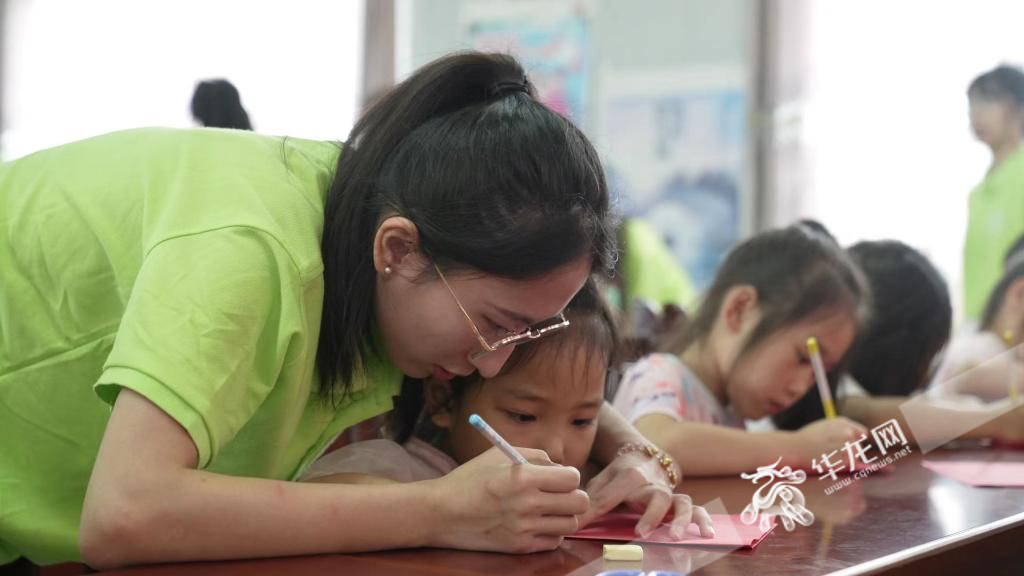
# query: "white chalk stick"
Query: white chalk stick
630,552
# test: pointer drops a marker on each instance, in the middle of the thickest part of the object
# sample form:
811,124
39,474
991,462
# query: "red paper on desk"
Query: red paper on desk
1001,474
1008,444
729,531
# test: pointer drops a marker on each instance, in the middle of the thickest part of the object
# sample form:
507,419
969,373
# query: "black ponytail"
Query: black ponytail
493,180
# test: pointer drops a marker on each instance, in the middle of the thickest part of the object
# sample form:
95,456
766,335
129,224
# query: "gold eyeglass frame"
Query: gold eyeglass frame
531,333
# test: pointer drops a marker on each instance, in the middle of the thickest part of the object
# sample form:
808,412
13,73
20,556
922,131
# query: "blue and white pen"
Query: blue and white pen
477,422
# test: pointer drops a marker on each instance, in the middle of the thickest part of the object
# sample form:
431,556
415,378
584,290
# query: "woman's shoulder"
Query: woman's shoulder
211,179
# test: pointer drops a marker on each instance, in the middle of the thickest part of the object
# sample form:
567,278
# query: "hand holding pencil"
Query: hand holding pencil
482,506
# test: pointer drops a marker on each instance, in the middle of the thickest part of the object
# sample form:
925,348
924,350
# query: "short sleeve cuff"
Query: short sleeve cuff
114,378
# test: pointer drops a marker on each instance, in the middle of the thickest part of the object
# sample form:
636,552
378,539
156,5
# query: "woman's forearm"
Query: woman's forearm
613,430
197,515
146,503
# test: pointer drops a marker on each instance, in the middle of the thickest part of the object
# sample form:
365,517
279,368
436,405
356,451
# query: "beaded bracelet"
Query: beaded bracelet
663,459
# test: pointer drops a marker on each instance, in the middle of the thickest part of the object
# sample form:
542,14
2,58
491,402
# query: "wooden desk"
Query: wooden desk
909,521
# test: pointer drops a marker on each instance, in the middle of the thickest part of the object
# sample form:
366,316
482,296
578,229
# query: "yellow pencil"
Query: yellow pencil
821,378
1010,341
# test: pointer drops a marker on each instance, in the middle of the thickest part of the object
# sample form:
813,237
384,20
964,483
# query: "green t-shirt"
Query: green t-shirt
995,219
184,265
649,269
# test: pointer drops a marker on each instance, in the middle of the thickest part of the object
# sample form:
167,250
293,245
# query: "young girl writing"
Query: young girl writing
547,397
985,363
895,356
744,356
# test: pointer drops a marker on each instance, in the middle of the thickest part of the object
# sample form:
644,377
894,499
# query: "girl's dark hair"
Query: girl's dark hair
592,331
1013,270
911,319
817,227
216,104
1003,82
494,181
797,273
809,408
910,323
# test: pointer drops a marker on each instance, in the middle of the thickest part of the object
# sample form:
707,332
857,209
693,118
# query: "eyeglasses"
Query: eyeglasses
544,328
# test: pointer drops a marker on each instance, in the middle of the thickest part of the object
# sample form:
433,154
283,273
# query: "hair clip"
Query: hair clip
506,86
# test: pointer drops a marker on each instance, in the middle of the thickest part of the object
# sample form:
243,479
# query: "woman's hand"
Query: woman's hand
651,499
639,481
489,503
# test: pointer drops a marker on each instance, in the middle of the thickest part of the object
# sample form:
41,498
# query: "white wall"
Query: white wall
886,120
627,35
76,68
648,47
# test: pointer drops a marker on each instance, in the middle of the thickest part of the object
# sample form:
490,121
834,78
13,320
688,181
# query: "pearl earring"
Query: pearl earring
387,269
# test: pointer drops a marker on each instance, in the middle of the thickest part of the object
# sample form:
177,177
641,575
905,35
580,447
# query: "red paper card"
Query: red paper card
729,531
1001,474
1009,444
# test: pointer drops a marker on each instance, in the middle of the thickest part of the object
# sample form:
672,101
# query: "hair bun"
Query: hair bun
504,87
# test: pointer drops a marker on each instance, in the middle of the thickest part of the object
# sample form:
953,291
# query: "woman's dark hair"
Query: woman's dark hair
1001,83
1013,270
494,181
797,273
911,321
591,331
216,104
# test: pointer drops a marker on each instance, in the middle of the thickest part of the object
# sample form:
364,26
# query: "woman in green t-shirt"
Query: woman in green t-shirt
238,300
996,206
